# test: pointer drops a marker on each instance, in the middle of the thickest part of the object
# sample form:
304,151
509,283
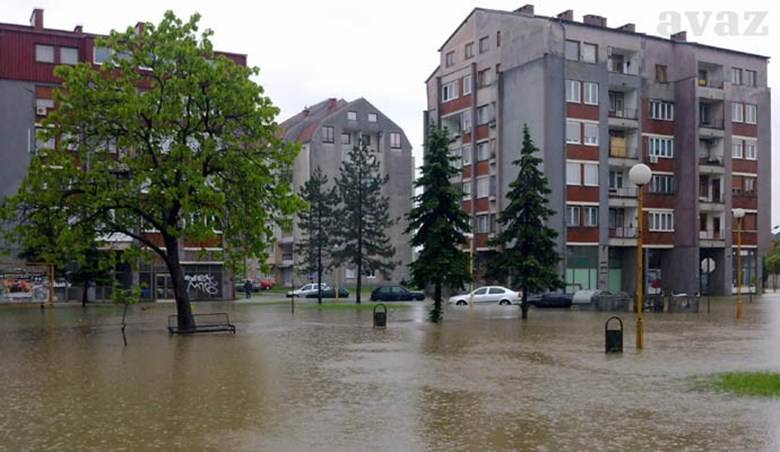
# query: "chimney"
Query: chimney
36,19
592,19
628,27
680,36
332,103
78,29
305,111
528,10
566,15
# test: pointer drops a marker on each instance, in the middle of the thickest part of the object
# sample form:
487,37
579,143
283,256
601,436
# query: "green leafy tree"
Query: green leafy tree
363,216
772,263
438,223
526,254
317,225
165,142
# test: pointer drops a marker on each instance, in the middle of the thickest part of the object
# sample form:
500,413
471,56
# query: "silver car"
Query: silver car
307,290
488,294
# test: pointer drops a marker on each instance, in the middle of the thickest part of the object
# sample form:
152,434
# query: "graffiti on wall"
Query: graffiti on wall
203,283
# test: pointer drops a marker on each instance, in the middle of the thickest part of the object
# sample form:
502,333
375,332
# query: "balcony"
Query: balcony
743,193
711,123
710,234
622,150
623,233
623,192
625,113
711,159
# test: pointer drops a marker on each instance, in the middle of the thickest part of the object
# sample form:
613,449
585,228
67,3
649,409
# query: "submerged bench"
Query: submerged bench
204,323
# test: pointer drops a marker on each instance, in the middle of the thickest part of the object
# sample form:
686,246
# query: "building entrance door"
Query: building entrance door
163,287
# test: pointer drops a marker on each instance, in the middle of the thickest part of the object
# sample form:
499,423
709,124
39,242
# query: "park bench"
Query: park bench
204,323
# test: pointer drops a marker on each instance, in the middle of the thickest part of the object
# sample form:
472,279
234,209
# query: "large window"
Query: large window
484,78
750,150
483,150
751,112
737,112
591,91
469,50
738,149
465,121
467,85
484,44
615,179
736,76
572,50
327,134
484,114
573,132
352,115
591,174
483,187
449,91
573,174
346,138
572,216
750,78
466,155
44,54
661,110
466,187
591,134
660,73
589,52
573,88
486,223
591,219
449,59
101,54
372,117
661,221
661,147
395,140
69,55
662,184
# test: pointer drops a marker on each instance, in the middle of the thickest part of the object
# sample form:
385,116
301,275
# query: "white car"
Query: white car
306,290
487,294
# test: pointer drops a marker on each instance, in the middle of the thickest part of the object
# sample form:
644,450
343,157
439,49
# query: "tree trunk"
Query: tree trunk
185,320
319,274
359,280
436,312
84,294
524,304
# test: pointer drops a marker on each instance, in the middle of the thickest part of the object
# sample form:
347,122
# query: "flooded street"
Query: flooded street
326,380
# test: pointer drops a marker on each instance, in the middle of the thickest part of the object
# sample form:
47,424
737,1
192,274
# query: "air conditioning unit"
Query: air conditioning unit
492,123
41,111
652,158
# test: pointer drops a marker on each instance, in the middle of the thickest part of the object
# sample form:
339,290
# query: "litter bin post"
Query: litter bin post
380,316
613,339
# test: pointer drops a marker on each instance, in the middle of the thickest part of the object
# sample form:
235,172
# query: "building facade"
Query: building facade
28,56
327,132
599,100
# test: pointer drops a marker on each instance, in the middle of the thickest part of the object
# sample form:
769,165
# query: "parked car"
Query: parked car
304,291
395,293
487,294
266,284
329,292
551,300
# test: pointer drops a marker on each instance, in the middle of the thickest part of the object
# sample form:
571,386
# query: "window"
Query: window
449,91
591,93
372,117
591,172
661,147
616,179
102,54
737,149
327,134
486,225
466,85
484,78
572,50
483,187
750,113
346,138
573,91
750,150
44,54
365,139
573,131
749,185
493,189
44,103
69,55
660,73
591,134
736,76
466,155
449,59
395,140
591,219
352,115
484,114
483,150
469,50
466,187
484,45
573,174
662,184
661,221
498,38
456,158
465,121
589,52
572,216
737,112
750,77
661,110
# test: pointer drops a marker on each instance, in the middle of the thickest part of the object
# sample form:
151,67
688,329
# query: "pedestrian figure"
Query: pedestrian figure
248,288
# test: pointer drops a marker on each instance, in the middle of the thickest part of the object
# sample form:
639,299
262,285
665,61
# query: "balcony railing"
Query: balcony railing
622,151
710,234
626,113
711,159
710,84
712,123
623,192
743,193
622,233
716,198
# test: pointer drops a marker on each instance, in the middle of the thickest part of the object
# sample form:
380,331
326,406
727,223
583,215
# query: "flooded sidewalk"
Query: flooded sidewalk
326,380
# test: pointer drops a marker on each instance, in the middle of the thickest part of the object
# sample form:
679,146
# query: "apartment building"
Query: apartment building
598,100
327,131
28,56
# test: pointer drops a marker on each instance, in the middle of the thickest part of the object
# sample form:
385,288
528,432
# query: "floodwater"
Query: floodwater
326,380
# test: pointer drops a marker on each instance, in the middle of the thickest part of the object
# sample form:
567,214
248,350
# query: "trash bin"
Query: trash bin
380,316
613,338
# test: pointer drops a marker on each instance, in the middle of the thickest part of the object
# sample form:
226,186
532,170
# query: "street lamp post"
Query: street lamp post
739,214
470,236
640,174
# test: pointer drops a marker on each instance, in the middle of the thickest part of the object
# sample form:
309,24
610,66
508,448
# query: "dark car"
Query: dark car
395,293
329,292
551,300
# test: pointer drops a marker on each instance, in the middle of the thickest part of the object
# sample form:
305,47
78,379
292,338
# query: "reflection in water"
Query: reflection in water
327,380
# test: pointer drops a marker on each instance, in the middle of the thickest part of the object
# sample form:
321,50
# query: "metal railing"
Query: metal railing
625,113
711,159
711,234
711,123
622,233
711,197
622,151
623,192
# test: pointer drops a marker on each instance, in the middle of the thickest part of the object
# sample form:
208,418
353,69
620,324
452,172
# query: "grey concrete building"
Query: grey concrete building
599,100
326,132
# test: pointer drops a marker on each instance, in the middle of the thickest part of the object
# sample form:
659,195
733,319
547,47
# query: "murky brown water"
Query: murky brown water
325,380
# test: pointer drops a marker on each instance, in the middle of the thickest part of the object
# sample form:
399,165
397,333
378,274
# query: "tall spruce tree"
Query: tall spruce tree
316,223
363,216
526,253
438,223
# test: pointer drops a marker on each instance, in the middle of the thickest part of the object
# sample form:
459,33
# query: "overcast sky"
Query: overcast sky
311,50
